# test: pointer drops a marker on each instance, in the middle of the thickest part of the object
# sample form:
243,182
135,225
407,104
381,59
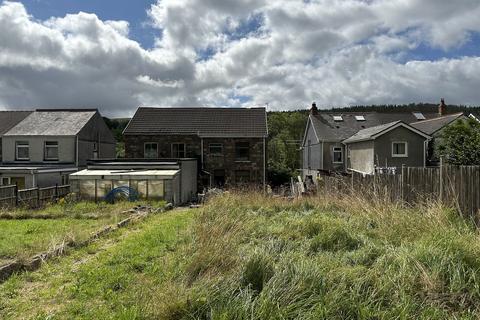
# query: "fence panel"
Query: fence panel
457,186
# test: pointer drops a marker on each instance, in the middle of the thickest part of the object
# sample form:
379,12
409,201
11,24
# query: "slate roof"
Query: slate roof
9,119
52,123
204,122
368,133
433,125
335,131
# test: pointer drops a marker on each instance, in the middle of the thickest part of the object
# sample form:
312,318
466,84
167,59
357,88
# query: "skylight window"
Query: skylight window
337,118
419,116
360,118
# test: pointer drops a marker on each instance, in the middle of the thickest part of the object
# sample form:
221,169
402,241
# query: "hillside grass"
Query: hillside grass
25,232
246,256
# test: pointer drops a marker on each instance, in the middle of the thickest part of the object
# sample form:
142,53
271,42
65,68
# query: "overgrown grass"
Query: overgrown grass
28,232
247,256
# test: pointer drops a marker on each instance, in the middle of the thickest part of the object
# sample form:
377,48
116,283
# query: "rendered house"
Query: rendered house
323,148
9,119
47,145
390,145
229,143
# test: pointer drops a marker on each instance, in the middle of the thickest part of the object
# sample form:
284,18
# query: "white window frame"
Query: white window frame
333,154
22,144
145,149
51,146
184,149
404,155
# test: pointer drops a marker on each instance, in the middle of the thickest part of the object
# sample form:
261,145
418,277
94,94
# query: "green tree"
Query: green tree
459,143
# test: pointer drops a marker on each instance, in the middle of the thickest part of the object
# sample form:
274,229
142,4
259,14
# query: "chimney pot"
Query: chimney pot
314,109
442,107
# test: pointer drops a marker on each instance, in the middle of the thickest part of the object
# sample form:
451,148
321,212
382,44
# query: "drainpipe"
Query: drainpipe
32,172
201,151
264,165
76,151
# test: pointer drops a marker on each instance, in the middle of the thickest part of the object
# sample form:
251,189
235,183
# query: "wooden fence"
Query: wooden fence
457,186
10,196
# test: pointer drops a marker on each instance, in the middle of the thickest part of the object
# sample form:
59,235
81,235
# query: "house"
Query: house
434,128
47,145
172,180
229,143
323,149
390,145
9,119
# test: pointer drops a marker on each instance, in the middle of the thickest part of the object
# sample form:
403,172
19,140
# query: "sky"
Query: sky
116,55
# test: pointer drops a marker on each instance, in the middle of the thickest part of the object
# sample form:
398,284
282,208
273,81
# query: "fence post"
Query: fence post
16,194
440,197
56,192
402,184
38,197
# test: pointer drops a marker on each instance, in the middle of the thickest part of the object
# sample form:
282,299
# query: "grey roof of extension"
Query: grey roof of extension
373,132
204,122
433,125
330,130
9,119
52,123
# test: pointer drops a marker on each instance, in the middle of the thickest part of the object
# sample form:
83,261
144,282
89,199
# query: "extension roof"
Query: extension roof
9,119
52,123
327,129
374,132
204,122
433,125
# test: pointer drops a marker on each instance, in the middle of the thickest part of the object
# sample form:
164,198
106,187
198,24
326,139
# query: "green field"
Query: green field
251,257
25,233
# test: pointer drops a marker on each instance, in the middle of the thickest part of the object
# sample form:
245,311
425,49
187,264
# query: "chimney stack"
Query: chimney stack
314,109
442,107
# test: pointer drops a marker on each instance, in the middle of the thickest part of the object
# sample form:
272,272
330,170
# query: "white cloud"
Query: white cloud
241,52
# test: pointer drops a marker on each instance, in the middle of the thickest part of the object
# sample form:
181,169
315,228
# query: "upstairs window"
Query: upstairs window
150,150
51,150
22,150
242,151
178,150
215,148
400,149
337,155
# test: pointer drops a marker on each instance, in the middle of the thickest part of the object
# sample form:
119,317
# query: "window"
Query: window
337,118
242,151
51,150
400,149
360,118
22,150
151,150
6,181
215,148
419,116
337,155
178,150
242,176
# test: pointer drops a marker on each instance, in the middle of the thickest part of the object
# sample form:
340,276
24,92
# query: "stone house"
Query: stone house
47,145
229,143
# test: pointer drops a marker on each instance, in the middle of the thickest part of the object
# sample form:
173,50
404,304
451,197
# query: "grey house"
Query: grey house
9,119
389,146
47,145
323,150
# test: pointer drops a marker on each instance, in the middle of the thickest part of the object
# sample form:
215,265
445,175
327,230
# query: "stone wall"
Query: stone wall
212,163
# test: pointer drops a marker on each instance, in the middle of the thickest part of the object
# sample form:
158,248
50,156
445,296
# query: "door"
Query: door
19,181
